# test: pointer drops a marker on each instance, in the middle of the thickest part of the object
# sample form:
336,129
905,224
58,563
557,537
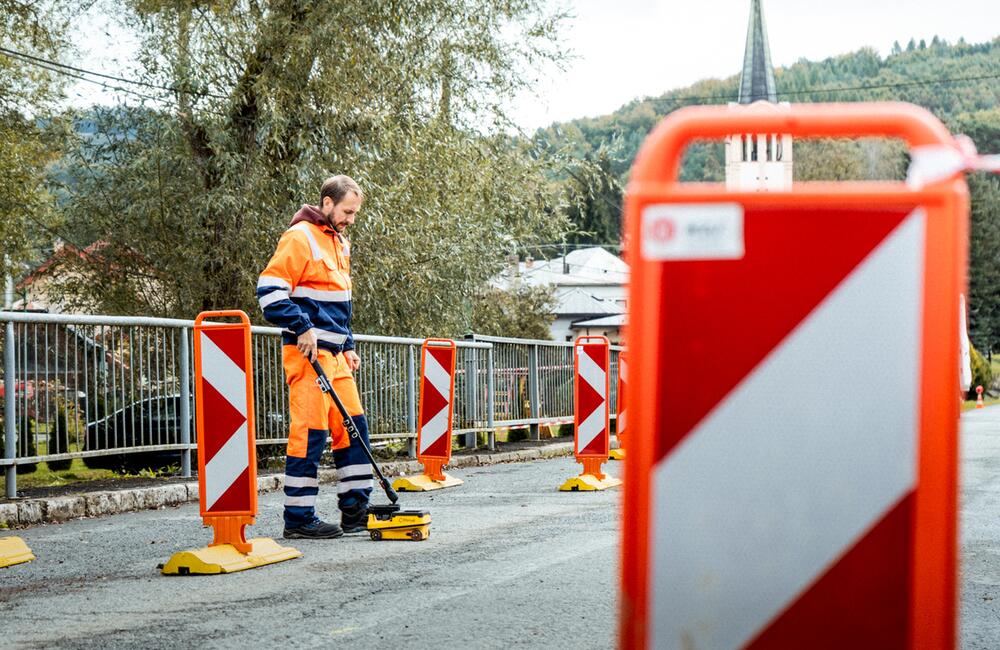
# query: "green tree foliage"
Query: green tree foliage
187,199
26,92
865,75
831,159
968,105
595,201
984,246
525,312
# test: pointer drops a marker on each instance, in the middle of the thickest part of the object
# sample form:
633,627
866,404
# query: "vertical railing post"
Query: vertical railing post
471,383
490,400
411,400
9,415
185,404
533,401
10,387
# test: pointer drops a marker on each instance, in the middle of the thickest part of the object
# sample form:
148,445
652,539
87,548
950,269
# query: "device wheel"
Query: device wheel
376,535
415,535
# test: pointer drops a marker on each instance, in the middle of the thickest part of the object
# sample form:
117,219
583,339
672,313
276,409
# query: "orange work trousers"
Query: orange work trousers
309,407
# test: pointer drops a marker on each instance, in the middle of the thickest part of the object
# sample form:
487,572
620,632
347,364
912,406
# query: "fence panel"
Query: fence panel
116,391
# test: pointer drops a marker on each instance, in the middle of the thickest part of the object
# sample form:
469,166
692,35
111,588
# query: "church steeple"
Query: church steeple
758,162
757,78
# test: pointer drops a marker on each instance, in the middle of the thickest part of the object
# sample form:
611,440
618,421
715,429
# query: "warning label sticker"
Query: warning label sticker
692,231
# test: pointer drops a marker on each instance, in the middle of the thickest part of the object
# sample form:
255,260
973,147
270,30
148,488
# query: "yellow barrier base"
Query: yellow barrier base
424,483
589,483
13,551
226,559
616,454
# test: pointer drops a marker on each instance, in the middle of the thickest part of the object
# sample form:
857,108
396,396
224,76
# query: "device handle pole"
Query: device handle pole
352,429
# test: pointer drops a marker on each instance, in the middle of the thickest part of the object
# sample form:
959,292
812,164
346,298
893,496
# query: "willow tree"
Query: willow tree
190,194
27,93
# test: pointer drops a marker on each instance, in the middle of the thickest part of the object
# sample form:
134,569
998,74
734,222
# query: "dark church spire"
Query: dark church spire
757,78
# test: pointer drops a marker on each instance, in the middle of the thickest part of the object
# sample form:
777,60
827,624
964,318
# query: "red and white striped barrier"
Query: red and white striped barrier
227,452
621,421
227,471
435,417
591,362
793,457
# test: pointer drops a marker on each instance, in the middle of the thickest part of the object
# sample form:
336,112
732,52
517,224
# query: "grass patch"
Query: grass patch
77,472
970,404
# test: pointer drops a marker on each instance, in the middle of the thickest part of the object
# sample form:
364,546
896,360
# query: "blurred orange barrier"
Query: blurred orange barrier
814,504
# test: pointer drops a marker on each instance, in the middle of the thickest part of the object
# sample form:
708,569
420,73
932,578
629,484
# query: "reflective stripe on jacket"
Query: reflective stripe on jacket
307,284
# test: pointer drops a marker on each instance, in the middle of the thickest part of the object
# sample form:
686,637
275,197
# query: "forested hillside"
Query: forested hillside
972,71
959,82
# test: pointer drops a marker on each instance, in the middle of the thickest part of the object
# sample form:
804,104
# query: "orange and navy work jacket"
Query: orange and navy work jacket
307,284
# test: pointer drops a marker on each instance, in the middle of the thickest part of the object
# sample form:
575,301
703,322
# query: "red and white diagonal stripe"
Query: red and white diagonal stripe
592,399
786,507
224,415
435,406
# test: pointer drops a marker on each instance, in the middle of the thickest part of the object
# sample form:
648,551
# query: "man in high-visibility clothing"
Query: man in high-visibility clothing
306,290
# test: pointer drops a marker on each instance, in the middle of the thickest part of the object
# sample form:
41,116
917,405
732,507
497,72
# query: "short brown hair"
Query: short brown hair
337,187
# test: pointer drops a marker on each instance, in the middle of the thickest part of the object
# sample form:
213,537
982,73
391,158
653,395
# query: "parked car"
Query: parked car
151,421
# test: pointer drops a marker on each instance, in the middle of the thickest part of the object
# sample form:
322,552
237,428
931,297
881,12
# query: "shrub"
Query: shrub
982,374
59,440
27,433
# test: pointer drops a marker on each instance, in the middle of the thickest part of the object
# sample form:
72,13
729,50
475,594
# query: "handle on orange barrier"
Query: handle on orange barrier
222,313
660,156
583,339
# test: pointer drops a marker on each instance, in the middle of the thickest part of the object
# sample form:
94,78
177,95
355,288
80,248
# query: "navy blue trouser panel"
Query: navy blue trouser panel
302,483
354,475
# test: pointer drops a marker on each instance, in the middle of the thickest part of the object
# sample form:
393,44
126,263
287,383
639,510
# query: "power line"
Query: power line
901,84
102,84
61,67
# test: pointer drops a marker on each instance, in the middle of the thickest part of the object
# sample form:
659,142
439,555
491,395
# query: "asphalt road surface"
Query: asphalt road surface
980,529
511,562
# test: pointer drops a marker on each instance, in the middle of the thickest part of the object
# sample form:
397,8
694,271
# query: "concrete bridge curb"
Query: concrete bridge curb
22,513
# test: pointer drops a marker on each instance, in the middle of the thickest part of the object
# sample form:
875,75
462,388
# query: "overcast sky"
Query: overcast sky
635,48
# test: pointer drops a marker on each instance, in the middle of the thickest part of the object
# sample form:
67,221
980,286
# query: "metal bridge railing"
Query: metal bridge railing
117,391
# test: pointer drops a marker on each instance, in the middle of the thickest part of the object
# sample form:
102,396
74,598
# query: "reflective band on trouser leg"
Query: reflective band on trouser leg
354,473
301,482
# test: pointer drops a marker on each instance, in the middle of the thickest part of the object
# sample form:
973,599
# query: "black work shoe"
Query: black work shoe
354,524
350,529
316,530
